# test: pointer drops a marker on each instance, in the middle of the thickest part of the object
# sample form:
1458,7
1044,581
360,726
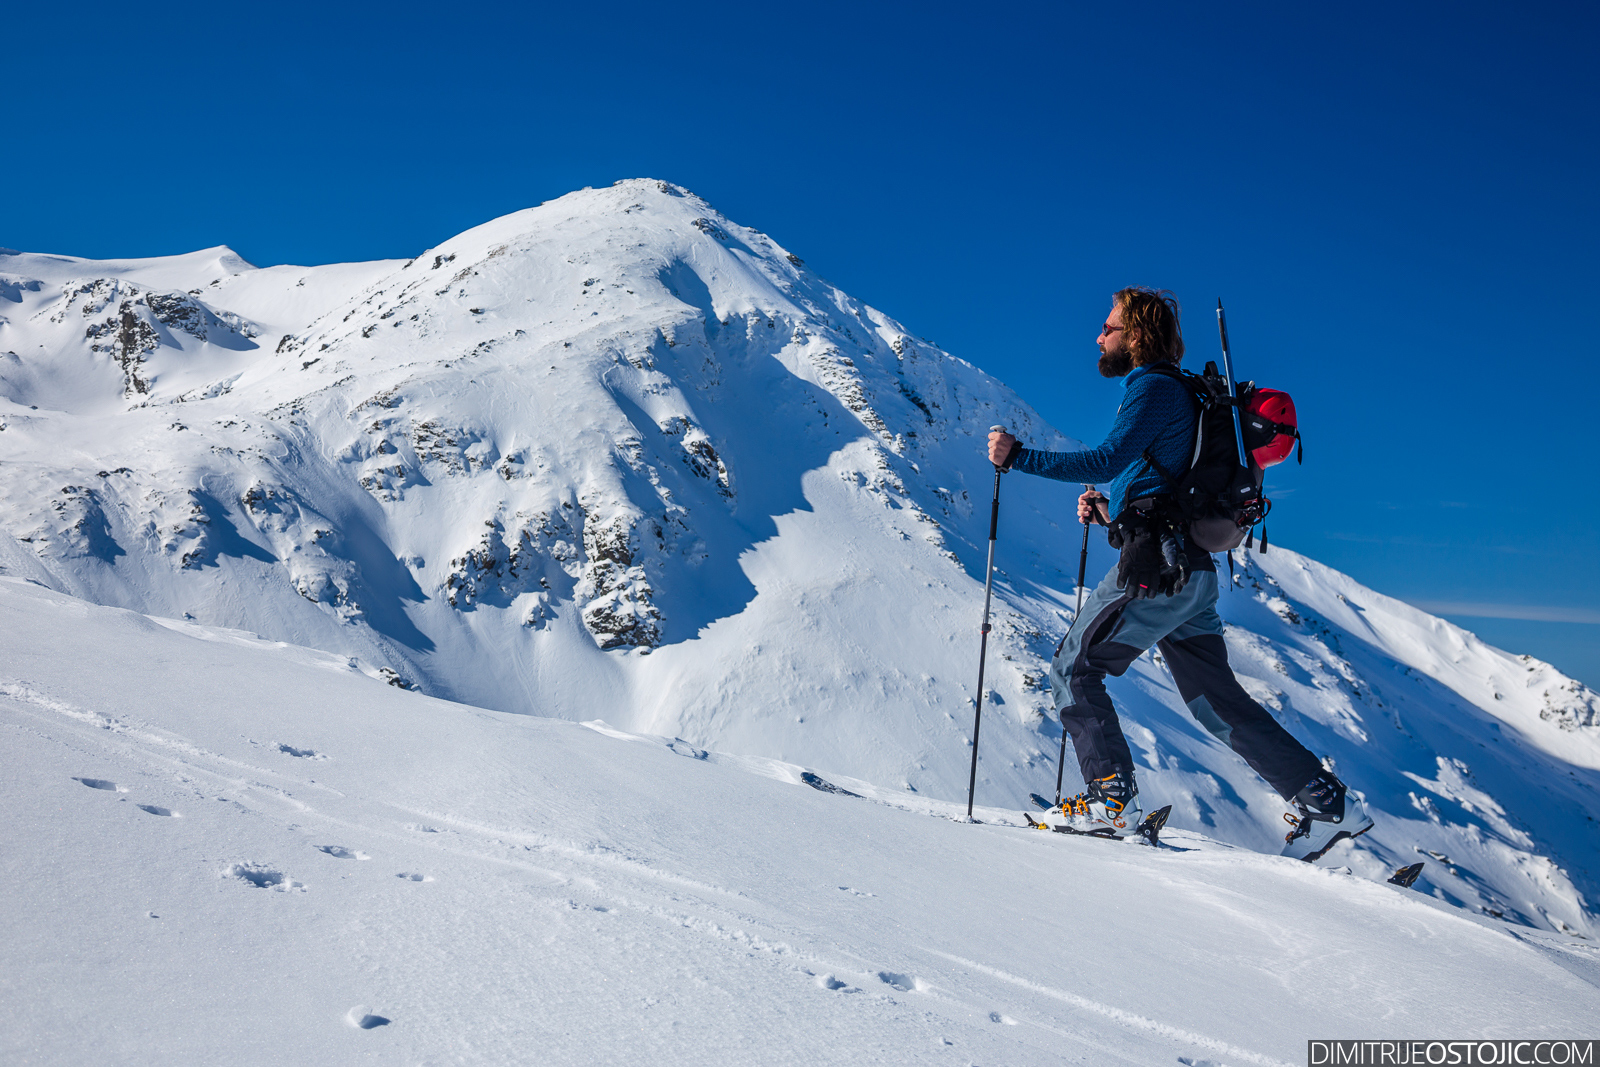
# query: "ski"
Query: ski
816,782
1040,802
1149,829
1312,857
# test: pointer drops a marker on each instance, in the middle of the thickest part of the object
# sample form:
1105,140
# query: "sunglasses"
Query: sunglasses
1108,328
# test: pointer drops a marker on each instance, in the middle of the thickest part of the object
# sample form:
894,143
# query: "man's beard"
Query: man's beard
1116,363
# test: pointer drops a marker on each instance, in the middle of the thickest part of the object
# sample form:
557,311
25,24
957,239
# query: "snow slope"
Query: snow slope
617,457
227,850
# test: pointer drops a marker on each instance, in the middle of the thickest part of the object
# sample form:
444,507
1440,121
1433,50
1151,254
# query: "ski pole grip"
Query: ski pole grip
1016,447
994,507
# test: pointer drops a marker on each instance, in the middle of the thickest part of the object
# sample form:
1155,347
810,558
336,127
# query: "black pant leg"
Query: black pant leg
1199,665
1091,720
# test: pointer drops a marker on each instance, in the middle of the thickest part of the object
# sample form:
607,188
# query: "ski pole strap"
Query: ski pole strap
1011,456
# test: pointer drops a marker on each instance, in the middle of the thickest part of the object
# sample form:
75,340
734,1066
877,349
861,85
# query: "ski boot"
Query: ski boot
1108,808
1328,815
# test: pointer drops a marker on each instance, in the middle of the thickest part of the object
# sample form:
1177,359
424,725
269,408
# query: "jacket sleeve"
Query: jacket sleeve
1152,402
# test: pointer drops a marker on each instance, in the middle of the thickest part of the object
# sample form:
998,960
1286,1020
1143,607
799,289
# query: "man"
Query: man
1152,599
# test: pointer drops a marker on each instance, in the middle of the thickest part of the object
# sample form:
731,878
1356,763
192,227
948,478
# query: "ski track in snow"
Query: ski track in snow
1126,1018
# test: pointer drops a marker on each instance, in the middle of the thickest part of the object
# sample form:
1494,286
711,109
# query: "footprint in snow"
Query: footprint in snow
101,783
156,809
903,982
300,753
832,984
339,852
412,877
684,748
264,878
362,1019
996,1017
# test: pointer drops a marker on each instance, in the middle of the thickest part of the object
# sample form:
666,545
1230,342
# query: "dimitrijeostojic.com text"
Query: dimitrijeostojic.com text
1451,1053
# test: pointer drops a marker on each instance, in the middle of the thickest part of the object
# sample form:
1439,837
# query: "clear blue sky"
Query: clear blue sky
1397,202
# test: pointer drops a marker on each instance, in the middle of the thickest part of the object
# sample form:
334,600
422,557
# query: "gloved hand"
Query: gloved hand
1153,563
1139,568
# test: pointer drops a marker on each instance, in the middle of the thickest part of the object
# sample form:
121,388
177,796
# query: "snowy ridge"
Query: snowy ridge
619,458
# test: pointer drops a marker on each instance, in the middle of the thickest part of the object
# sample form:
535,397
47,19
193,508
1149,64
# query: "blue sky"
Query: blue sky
1396,202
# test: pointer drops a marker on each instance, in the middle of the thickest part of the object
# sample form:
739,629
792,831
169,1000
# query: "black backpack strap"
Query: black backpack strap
1195,386
1177,374
1150,463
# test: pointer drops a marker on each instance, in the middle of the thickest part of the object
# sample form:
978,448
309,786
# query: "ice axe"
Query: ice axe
1083,567
983,644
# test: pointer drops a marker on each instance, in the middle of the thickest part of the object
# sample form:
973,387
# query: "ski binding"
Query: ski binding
1149,829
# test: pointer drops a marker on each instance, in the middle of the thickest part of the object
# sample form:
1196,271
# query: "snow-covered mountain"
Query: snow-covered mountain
617,457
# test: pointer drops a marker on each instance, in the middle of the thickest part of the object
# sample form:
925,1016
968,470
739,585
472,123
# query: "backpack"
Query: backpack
1218,501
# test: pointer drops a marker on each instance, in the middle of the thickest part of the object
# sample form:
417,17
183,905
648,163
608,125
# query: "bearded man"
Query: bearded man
1162,594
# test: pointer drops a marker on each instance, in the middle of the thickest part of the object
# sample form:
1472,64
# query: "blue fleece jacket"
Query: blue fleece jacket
1156,413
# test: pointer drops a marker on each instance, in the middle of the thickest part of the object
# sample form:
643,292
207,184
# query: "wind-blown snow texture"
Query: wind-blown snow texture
617,457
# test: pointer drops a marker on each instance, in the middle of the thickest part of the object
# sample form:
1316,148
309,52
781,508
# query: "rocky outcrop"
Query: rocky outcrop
619,603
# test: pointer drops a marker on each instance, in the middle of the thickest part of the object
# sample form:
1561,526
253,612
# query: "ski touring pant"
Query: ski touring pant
1113,629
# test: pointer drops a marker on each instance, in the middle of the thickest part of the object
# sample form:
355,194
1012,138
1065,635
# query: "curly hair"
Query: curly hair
1154,314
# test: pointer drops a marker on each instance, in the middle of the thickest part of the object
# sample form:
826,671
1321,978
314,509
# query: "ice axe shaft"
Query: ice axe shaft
1227,367
983,643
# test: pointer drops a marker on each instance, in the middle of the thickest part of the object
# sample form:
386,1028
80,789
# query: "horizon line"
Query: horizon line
1525,612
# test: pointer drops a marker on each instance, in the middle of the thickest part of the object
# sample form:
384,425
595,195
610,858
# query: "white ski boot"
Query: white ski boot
1328,815
1108,808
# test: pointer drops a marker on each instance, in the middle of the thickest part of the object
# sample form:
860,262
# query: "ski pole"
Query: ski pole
1083,566
983,644
1227,366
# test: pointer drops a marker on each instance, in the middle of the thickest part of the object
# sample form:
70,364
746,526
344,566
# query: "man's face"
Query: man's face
1115,358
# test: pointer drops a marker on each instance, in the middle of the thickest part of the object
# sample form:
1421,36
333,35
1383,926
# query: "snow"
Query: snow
619,461
271,868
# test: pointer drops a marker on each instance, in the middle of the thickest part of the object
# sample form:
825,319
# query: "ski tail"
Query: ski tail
1040,802
1406,877
819,783
1151,828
